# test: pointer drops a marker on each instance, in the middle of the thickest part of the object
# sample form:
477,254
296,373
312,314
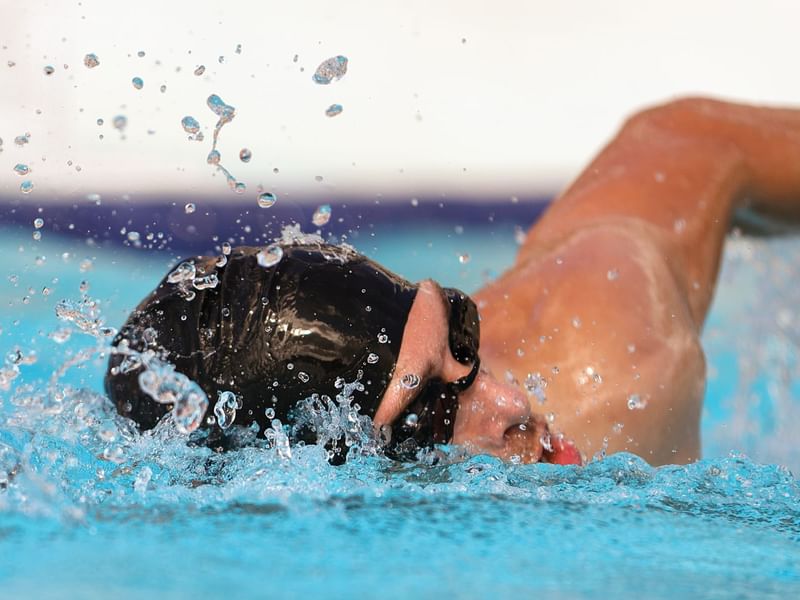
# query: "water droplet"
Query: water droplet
238,49
189,208
137,82
200,70
270,413
612,274
225,408
576,322
322,215
372,358
330,70
267,199
220,59
23,139
183,272
38,223
226,248
333,110
213,157
411,420
679,226
120,122
49,70
410,381
163,88
270,256
463,258
219,108
140,54
302,376
26,187
190,124
414,202
21,169
245,155
635,402
91,60
133,236
617,427
383,338
535,385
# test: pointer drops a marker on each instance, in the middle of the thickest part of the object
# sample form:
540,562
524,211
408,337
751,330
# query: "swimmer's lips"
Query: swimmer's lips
526,444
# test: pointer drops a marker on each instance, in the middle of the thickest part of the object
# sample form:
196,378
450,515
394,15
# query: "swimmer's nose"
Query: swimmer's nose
487,410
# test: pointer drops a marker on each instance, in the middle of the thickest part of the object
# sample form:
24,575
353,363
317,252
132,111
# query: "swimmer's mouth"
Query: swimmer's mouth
534,442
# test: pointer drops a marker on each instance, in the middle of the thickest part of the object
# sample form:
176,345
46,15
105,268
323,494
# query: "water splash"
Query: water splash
226,113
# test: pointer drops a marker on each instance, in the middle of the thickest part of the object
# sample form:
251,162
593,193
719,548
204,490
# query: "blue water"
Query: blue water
165,519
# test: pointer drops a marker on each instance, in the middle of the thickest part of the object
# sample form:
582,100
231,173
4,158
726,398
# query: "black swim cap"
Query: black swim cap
274,332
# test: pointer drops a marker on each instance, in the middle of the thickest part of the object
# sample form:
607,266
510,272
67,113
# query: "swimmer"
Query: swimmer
599,317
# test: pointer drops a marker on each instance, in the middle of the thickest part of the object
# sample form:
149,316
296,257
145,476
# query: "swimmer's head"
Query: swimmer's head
275,335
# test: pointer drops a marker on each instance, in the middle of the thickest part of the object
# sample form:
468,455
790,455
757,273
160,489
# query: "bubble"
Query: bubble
26,187
213,157
635,402
267,199
330,70
333,110
410,381
38,223
372,358
91,60
322,215
49,69
190,124
21,169
270,256
219,108
200,70
120,122
245,155
189,208
137,82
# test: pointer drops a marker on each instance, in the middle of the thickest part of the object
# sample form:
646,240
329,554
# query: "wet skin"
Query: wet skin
607,297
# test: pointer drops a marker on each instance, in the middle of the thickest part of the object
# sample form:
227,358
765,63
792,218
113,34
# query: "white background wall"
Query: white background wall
533,91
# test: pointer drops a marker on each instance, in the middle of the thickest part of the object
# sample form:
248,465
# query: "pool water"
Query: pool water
90,508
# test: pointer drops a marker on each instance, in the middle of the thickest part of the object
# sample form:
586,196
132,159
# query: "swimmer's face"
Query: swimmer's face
492,418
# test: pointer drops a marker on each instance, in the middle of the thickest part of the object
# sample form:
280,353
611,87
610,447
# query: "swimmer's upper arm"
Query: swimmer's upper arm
680,169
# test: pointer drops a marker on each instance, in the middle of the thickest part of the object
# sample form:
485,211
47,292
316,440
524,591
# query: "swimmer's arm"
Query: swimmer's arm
677,172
